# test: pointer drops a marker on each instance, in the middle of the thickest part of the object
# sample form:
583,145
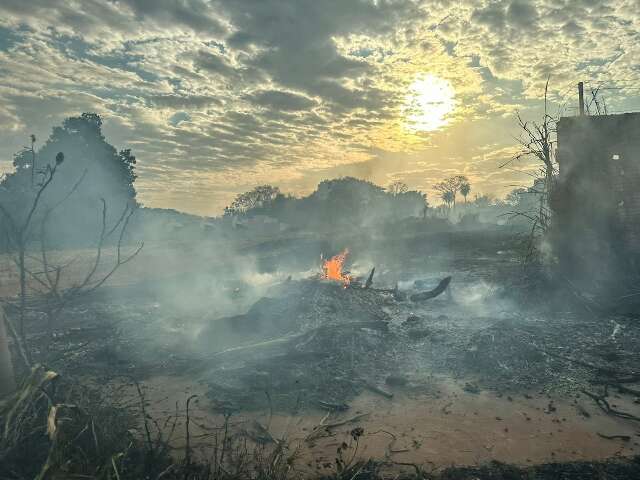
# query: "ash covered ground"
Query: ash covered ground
300,336
285,341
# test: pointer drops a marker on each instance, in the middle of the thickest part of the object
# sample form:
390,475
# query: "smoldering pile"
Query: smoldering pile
310,343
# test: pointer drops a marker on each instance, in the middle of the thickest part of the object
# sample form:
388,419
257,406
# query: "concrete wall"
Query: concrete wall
597,200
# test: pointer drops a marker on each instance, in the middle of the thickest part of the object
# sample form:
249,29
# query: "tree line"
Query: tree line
345,201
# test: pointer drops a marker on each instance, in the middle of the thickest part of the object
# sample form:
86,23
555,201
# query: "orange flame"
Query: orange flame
332,268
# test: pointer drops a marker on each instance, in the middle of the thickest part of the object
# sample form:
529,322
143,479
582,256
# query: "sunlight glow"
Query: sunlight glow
429,102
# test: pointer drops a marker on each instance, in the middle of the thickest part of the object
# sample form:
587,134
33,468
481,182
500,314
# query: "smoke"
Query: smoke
593,204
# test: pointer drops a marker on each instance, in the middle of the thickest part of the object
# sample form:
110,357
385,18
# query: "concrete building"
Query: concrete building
597,198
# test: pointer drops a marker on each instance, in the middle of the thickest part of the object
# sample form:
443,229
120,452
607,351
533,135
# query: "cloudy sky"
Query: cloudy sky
217,96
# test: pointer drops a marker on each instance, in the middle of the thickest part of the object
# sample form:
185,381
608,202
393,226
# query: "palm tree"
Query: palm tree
465,189
448,197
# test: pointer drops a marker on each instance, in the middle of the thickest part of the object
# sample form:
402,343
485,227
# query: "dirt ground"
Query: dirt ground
449,427
473,375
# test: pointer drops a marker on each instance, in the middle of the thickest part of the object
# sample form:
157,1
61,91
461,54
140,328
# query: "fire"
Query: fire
332,268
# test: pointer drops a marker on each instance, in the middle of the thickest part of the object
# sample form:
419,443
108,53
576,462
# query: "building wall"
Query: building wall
597,199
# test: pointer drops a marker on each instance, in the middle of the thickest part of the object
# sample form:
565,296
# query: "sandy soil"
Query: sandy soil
450,426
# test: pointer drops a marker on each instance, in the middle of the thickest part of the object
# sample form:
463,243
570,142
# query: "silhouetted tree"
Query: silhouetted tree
397,187
30,210
451,186
538,141
109,174
465,189
346,202
448,197
260,197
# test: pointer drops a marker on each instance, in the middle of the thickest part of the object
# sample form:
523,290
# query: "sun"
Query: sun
428,103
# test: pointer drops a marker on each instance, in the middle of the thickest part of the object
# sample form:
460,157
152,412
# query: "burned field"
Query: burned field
462,373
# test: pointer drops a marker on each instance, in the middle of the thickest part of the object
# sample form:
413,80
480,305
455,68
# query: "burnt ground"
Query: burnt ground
303,345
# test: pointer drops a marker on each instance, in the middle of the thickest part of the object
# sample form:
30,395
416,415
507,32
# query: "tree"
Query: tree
345,202
349,201
397,187
451,186
402,205
259,198
448,197
109,175
28,213
443,188
538,141
485,200
465,189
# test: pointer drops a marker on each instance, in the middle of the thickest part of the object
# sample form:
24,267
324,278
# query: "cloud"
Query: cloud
491,15
522,14
281,100
217,96
212,63
179,117
176,102
193,14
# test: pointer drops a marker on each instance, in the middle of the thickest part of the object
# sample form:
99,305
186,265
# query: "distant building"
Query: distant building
597,199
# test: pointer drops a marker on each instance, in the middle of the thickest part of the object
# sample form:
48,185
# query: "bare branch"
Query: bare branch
96,263
119,260
34,205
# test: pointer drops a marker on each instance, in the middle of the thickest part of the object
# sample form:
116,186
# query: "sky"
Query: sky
215,97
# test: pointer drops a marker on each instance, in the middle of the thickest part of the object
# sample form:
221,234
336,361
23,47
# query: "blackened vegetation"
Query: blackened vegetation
316,343
620,470
54,428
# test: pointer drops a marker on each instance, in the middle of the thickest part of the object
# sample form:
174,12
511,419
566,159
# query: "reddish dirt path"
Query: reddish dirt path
449,427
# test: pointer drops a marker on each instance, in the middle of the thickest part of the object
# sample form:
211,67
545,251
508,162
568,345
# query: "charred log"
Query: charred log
442,286
369,281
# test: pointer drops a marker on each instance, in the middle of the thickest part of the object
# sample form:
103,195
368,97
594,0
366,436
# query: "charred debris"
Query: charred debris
313,343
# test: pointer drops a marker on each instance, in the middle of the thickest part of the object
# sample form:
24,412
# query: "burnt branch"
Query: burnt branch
17,235
101,239
537,140
120,259
58,298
